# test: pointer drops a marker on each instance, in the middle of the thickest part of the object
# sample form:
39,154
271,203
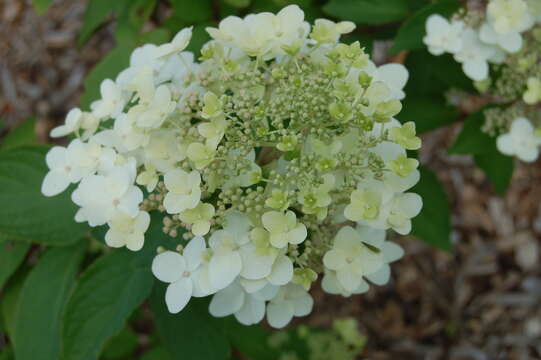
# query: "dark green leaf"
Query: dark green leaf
428,112
11,256
372,12
251,341
199,38
497,167
6,353
433,224
411,33
431,74
120,346
10,301
41,6
131,18
97,11
24,134
238,3
159,353
472,140
156,36
109,67
107,293
31,216
42,303
192,334
192,12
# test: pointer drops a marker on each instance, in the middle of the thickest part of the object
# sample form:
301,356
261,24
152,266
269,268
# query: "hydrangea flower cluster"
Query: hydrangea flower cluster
478,37
276,156
506,34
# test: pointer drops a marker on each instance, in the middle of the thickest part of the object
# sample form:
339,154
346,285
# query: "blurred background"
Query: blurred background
480,301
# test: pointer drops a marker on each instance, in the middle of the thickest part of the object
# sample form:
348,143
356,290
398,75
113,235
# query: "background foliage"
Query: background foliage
65,296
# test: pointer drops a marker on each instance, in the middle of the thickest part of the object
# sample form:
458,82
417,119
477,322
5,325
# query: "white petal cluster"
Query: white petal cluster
499,33
522,140
277,156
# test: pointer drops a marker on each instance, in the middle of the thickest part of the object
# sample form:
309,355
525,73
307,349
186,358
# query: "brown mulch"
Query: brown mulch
482,301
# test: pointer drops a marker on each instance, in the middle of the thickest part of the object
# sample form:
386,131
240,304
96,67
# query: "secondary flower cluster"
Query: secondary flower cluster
276,156
506,34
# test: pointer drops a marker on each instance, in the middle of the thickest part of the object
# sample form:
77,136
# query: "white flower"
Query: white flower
112,100
155,113
263,34
510,41
263,264
394,76
72,124
248,308
390,151
506,16
351,259
178,44
474,55
199,218
442,36
390,252
532,94
534,7
164,150
283,228
126,131
521,141
326,31
184,190
184,273
69,165
226,262
127,231
289,27
291,300
101,196
403,208
331,285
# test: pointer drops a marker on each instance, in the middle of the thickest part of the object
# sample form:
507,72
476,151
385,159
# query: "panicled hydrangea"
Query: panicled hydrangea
498,33
278,152
507,34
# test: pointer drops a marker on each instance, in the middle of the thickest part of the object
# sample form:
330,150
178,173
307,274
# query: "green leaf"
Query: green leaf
24,134
371,12
6,353
251,341
192,12
428,112
156,36
41,6
131,18
497,167
30,216
10,300
411,33
11,256
106,295
159,353
192,334
42,303
431,74
109,67
199,38
121,346
472,140
433,224
97,11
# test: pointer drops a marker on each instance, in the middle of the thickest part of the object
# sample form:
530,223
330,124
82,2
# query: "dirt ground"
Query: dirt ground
480,302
